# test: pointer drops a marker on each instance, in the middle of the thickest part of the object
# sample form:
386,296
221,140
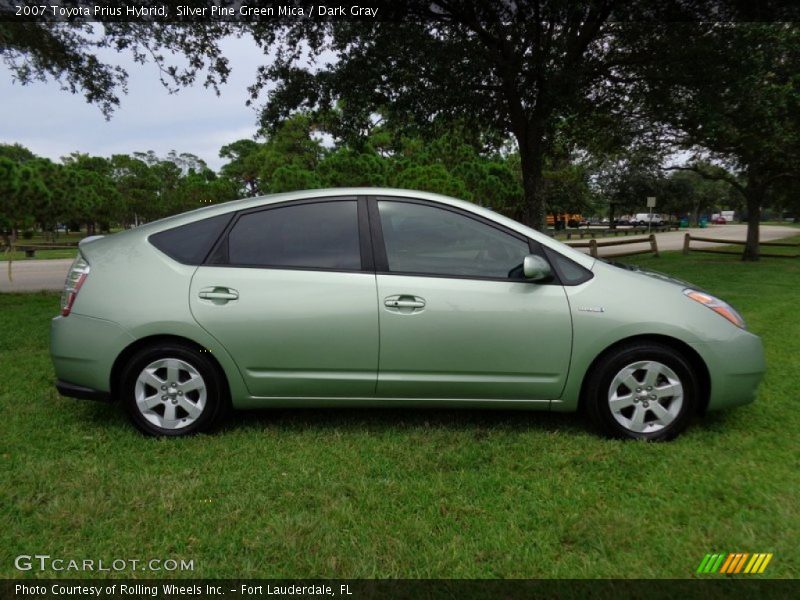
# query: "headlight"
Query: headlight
718,306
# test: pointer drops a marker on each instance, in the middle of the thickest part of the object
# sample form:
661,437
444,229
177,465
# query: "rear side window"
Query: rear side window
190,244
319,235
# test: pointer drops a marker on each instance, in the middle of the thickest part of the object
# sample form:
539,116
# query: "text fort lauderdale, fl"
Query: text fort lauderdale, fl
168,589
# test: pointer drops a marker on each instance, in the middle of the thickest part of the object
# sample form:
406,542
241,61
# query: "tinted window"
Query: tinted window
424,239
569,272
190,243
321,235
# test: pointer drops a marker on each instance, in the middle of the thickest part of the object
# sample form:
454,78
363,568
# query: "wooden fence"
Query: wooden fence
622,230
30,249
593,245
688,239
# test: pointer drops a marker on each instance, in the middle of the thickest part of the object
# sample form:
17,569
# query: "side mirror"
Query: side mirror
535,268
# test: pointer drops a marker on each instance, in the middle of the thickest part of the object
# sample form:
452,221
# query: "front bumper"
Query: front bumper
736,367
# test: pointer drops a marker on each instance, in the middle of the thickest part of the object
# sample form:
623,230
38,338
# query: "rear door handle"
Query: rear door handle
219,294
412,302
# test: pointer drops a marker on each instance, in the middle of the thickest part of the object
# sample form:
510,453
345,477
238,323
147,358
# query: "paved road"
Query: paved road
34,275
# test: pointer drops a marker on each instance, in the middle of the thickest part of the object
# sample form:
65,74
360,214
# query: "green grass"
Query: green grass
783,223
408,493
39,255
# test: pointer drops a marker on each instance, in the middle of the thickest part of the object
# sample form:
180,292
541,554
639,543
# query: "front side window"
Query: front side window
433,241
321,235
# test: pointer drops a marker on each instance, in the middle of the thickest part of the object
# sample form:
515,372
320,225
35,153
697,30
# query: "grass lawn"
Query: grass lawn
39,254
783,223
405,493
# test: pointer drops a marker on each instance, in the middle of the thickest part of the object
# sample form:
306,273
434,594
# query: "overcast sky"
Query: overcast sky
53,123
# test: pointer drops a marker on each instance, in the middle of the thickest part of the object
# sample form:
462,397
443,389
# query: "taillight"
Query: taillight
78,273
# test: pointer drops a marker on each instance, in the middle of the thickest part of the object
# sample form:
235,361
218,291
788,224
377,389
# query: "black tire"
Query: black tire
215,398
598,390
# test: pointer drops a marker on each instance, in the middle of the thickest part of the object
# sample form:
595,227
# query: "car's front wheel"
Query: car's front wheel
172,390
642,391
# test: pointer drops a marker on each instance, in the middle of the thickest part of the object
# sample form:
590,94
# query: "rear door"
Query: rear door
290,292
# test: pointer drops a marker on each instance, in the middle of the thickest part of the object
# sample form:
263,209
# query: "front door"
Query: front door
456,319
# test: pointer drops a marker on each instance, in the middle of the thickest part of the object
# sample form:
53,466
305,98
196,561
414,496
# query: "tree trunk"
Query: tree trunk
534,212
694,218
755,196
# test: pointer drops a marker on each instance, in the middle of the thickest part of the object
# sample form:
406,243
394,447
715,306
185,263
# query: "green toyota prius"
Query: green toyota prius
384,297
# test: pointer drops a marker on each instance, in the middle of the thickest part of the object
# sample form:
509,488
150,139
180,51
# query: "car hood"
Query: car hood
652,274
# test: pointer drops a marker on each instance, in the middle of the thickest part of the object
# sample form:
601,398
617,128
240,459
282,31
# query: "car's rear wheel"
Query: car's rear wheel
172,390
642,391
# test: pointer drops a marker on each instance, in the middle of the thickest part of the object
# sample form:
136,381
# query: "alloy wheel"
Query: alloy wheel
645,396
170,393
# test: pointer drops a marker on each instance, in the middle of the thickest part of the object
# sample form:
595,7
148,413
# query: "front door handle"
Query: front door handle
219,294
404,302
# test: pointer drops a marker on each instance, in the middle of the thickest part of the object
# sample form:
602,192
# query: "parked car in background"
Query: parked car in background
647,218
563,220
719,220
383,297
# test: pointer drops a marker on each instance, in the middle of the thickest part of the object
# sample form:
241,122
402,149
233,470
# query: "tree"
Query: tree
624,181
200,188
68,53
688,192
344,166
15,208
23,193
242,166
566,186
737,106
16,153
44,205
9,172
89,194
531,64
137,186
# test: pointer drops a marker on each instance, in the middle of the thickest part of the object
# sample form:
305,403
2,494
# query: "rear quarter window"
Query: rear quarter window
190,244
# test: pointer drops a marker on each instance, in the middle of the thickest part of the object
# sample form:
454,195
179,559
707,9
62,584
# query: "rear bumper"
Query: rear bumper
83,350
78,391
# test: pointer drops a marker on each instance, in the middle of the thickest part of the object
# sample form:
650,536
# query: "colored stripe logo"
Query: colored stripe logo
735,562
